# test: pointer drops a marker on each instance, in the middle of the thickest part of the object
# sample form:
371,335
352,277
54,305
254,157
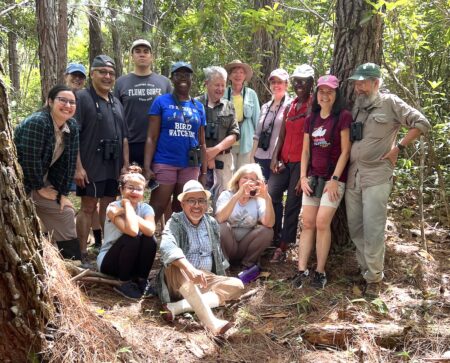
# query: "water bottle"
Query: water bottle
249,274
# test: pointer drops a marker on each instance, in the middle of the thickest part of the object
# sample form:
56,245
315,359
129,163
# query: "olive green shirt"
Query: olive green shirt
381,123
220,121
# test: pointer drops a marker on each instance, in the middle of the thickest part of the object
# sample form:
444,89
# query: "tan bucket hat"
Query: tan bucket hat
237,63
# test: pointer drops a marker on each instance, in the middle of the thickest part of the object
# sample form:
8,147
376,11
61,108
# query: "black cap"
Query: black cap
103,61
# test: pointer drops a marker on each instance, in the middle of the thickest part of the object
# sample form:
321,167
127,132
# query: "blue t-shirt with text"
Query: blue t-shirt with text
179,129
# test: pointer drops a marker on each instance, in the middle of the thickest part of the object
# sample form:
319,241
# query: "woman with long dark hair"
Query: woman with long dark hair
47,146
326,149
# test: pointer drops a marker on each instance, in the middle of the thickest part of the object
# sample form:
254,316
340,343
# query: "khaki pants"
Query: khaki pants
239,159
367,214
60,224
222,176
226,288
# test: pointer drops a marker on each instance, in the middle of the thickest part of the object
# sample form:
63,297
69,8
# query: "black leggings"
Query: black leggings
130,257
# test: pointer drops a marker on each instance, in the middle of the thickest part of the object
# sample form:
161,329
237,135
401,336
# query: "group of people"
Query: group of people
218,152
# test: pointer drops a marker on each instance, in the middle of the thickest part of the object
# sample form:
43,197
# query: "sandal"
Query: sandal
278,256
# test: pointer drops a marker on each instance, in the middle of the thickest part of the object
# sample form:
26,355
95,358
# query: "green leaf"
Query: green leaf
434,84
380,306
366,19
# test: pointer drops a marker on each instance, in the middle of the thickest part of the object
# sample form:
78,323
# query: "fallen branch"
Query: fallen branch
101,280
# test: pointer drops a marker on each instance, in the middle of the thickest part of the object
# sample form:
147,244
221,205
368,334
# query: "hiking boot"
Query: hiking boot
300,278
130,290
372,290
278,256
319,280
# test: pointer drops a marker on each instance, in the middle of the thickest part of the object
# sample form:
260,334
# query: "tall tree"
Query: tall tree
47,35
95,31
24,304
149,15
62,40
116,40
13,56
357,39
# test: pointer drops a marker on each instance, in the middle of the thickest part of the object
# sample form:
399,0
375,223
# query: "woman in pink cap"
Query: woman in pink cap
326,149
270,120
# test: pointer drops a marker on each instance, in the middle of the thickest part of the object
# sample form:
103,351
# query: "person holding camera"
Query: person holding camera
326,149
378,118
222,129
103,146
246,216
269,125
175,145
285,163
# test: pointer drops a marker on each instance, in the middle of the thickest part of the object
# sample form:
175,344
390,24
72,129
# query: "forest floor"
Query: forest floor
410,321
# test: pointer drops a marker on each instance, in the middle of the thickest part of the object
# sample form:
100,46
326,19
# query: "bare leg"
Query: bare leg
307,236
323,239
103,204
160,198
84,220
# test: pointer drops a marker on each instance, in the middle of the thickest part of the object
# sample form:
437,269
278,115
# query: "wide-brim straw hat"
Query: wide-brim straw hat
237,63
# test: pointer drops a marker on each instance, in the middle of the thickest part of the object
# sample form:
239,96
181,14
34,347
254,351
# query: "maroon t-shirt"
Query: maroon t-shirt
323,151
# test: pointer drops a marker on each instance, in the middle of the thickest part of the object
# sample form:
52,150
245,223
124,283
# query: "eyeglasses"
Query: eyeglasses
192,202
134,189
104,72
66,101
182,75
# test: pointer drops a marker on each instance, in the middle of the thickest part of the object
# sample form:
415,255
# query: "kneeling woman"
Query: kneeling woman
326,149
129,247
246,216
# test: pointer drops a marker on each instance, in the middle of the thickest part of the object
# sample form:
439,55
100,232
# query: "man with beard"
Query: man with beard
285,164
377,120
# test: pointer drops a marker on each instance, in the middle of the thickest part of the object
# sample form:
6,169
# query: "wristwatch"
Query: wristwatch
401,147
335,177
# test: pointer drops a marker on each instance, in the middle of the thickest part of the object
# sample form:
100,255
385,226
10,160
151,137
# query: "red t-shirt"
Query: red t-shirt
325,154
295,125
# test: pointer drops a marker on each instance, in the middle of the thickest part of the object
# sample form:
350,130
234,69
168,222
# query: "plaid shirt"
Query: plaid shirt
200,250
35,142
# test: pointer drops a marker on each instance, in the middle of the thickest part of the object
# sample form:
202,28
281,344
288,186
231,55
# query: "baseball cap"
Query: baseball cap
103,61
193,186
303,71
328,80
279,73
366,71
176,66
138,42
76,67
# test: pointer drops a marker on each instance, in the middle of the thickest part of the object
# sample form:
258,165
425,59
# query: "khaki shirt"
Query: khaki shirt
221,116
381,122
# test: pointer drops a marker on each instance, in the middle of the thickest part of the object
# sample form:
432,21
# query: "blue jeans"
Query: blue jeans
286,229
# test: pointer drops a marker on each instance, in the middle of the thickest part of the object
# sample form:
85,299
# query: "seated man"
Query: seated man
193,262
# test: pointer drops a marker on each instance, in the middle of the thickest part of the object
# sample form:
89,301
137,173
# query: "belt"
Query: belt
227,151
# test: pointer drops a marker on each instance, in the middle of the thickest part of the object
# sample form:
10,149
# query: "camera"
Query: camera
264,140
194,156
219,164
153,184
317,184
252,193
109,149
212,131
356,131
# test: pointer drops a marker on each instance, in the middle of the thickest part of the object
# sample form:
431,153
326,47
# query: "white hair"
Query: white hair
212,71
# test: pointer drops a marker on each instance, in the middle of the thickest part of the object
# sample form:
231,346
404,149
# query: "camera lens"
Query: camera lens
252,193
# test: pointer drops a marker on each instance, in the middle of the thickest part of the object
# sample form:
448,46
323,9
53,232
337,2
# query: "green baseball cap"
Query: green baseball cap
366,71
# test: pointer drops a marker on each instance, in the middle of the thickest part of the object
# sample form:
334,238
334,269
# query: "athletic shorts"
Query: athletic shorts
106,188
168,174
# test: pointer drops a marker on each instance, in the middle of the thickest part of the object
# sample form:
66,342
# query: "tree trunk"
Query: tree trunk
357,40
47,36
24,304
148,15
13,56
95,32
266,51
116,43
62,40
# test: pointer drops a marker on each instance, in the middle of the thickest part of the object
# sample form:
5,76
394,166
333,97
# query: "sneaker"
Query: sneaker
319,280
278,256
130,290
372,290
148,290
300,278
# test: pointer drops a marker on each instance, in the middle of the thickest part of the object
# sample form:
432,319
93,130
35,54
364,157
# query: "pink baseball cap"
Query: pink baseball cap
279,73
328,80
